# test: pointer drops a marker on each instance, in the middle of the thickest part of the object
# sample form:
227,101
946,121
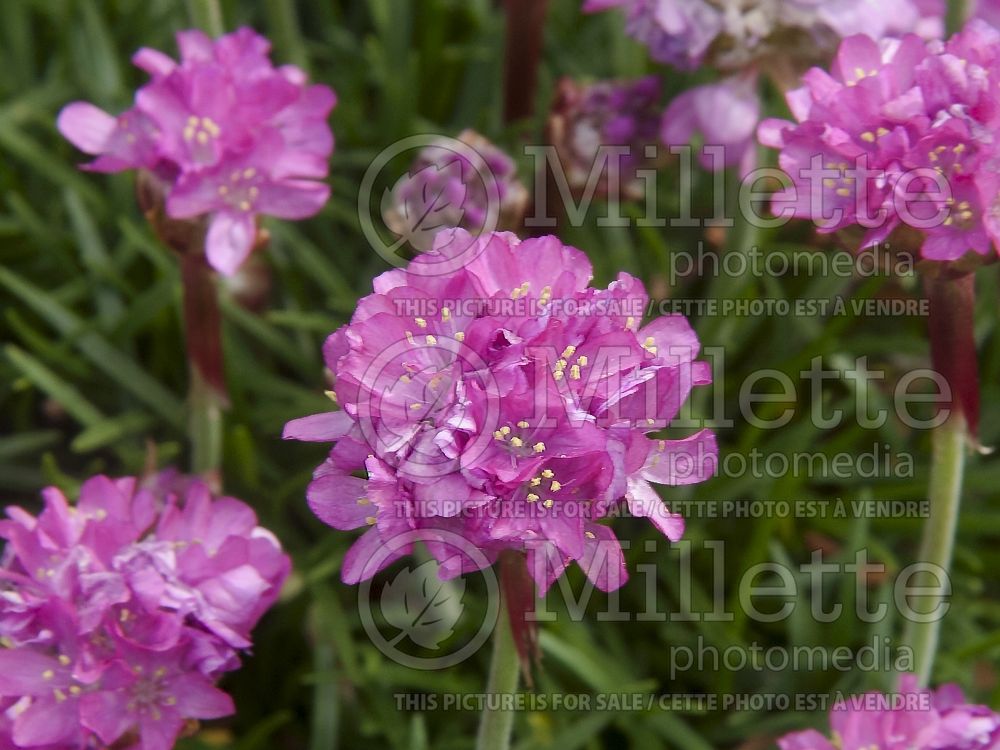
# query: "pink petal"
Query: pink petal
336,499
153,61
46,722
292,199
199,699
602,559
688,461
87,127
645,503
229,241
366,557
319,428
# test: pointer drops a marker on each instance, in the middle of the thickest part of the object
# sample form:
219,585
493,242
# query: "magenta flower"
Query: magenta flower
229,135
911,719
118,614
728,140
899,133
506,401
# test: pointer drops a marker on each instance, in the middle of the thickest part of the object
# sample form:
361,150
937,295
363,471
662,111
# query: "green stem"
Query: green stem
205,429
938,538
495,725
207,16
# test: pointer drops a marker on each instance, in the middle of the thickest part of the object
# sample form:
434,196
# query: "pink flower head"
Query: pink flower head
732,35
508,402
229,134
910,719
898,133
619,118
729,139
466,182
119,613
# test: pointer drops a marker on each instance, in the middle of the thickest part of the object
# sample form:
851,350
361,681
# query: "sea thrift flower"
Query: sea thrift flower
729,140
622,115
119,613
742,38
229,135
465,182
920,118
508,402
731,34
911,719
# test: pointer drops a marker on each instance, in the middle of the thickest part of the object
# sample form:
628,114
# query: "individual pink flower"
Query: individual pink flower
466,182
898,133
229,135
619,118
729,140
910,719
488,391
120,612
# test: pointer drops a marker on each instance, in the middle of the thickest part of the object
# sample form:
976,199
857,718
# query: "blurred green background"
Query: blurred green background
93,379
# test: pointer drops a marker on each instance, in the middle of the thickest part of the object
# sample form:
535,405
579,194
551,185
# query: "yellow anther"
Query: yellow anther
558,375
431,340
364,501
65,660
420,322
223,190
868,136
535,482
523,425
549,503
498,435
516,442
561,364
538,447
582,360
568,352
460,336
249,173
244,205
48,674
370,520
589,535
445,314
505,430
629,321
548,473
574,372
532,497
555,486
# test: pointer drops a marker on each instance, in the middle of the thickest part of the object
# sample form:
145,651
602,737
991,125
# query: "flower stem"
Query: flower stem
495,725
207,16
525,33
938,538
203,340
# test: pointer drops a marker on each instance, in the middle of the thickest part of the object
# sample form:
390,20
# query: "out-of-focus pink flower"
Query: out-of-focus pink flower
230,135
911,719
508,402
617,118
724,114
118,614
466,182
898,133
732,34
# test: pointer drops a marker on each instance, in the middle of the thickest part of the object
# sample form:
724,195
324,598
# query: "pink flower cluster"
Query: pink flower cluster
120,612
911,719
229,134
489,392
900,132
